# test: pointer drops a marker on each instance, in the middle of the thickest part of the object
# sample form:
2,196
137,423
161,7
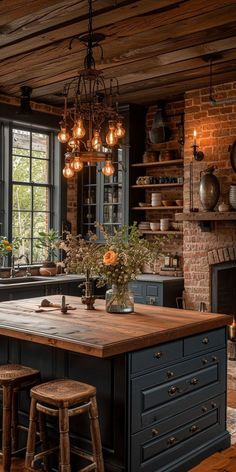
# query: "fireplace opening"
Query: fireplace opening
224,288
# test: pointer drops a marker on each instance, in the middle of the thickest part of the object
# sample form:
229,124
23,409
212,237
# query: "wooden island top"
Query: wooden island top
98,333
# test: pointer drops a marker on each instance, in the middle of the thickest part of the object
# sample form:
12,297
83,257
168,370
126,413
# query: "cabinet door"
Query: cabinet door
113,210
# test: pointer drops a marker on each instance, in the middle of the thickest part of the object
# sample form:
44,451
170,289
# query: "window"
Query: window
30,188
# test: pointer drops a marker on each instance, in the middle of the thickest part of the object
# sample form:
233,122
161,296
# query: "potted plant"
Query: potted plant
48,241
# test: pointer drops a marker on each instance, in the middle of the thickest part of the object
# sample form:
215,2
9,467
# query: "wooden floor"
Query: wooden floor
224,461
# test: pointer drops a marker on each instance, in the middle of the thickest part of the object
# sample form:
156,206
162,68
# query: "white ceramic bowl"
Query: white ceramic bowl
155,226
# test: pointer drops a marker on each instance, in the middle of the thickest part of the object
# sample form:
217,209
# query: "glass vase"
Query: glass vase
119,299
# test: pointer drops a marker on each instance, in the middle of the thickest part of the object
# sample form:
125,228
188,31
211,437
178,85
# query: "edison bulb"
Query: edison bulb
72,142
68,172
120,130
78,129
96,141
63,135
108,169
111,138
77,164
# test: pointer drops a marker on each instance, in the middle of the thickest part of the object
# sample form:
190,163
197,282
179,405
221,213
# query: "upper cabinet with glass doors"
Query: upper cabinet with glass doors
105,200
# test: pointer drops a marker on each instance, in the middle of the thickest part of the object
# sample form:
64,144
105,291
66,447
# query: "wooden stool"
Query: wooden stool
70,398
13,378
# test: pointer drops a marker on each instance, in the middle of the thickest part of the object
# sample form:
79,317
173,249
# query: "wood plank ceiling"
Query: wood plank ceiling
156,48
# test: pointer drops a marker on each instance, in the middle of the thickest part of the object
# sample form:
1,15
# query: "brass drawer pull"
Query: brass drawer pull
204,409
205,340
155,432
171,441
170,374
214,358
157,355
204,361
172,390
194,429
194,381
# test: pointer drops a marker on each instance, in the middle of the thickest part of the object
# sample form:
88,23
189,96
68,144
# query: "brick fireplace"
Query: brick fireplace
216,131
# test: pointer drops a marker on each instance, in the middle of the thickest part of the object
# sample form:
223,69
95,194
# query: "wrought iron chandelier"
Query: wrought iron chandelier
91,125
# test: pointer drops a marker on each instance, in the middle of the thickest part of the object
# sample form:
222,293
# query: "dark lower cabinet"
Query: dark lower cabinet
161,409
162,293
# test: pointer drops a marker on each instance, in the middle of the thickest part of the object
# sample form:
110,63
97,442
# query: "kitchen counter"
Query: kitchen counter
99,333
62,278
160,376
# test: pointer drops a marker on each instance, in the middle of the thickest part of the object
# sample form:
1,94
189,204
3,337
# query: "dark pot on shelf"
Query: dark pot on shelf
159,132
209,190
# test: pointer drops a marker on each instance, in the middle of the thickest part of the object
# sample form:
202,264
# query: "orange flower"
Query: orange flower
5,241
110,258
8,248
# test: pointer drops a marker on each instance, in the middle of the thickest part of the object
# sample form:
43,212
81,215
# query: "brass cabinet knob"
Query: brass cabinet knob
204,409
204,361
172,390
171,441
170,374
157,355
194,428
194,381
214,358
155,432
213,405
205,340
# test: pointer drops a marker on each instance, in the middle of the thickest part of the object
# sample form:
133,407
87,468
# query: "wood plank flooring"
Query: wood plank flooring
224,461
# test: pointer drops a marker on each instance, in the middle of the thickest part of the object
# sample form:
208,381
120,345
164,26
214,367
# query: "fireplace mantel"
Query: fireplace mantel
206,218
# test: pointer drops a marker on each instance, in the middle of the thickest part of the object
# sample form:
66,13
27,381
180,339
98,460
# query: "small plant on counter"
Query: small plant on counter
7,247
48,242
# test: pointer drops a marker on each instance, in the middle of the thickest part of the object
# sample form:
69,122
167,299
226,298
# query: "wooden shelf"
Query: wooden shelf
178,233
174,207
206,216
157,164
168,145
157,185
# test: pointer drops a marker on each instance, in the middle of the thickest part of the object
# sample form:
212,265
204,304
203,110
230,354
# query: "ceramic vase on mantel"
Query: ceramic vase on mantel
119,299
209,190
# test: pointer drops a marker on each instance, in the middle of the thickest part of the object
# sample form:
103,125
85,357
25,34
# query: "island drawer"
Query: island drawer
204,341
156,356
155,396
173,437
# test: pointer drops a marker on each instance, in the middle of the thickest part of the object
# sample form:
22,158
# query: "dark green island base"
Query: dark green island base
160,375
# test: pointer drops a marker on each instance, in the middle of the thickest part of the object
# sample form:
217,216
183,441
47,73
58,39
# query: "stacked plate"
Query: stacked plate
144,226
156,199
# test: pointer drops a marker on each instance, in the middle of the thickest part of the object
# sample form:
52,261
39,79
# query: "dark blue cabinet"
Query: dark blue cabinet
163,293
178,403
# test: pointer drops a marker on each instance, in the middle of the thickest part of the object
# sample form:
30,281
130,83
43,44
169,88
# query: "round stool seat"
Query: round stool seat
10,373
63,392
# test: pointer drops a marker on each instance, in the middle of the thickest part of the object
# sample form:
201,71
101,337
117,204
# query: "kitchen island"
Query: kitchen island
160,375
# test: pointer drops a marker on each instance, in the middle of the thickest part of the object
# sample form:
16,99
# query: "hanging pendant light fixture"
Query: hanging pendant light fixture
90,121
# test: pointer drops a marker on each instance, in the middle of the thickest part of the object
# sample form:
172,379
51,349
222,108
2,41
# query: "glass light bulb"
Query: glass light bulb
120,130
77,164
72,142
63,135
108,169
111,138
68,171
96,141
78,129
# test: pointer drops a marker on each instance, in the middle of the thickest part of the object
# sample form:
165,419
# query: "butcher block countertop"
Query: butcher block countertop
98,333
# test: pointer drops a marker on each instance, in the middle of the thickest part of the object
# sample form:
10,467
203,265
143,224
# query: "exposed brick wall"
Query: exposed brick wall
216,130
41,107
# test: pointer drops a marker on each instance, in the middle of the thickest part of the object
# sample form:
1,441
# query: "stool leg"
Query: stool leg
6,435
43,439
64,440
30,449
14,420
95,433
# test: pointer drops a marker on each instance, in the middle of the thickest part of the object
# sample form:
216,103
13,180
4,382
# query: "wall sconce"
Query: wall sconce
198,155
